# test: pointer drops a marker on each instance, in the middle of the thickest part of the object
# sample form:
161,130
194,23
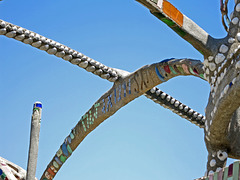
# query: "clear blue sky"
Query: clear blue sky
142,141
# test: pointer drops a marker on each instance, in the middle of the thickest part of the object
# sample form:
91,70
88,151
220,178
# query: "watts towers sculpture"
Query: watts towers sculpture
220,68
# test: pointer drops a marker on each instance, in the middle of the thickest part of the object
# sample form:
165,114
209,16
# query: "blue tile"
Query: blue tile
58,160
64,149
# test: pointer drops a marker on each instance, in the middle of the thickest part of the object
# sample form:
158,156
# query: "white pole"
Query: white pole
34,140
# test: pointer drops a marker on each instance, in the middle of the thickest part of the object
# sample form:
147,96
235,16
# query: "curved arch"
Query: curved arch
123,91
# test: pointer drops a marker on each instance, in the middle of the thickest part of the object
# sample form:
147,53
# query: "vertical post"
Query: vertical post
34,141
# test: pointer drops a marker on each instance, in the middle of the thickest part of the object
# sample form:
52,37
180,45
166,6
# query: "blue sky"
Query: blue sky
142,140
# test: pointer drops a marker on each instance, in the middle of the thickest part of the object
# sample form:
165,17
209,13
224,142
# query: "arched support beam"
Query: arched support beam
123,91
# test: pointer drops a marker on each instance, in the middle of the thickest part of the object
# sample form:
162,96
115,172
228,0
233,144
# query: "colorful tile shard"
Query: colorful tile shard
163,71
3,175
63,153
160,76
175,17
172,12
228,173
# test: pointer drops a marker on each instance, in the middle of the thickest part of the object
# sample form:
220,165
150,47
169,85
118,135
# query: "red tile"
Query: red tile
230,170
167,69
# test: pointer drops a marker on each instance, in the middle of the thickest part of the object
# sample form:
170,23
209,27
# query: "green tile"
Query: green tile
202,76
159,15
215,177
63,158
181,69
191,70
71,135
235,170
168,22
225,175
69,149
179,31
171,68
3,176
155,1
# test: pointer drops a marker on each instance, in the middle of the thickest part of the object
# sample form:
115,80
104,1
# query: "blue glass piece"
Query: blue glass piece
119,93
115,95
129,86
166,60
58,160
69,140
124,87
39,105
230,84
159,75
64,149
103,108
1,172
66,140
109,103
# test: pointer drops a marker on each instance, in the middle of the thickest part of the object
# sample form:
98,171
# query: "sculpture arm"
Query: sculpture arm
57,49
173,67
176,106
181,24
123,91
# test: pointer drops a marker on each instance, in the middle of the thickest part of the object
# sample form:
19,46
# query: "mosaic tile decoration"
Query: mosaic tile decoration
228,173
